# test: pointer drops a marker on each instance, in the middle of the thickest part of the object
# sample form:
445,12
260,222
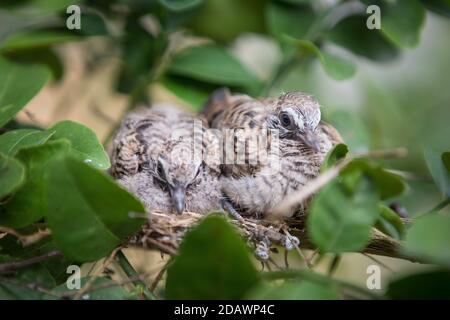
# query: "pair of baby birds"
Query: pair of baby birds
174,162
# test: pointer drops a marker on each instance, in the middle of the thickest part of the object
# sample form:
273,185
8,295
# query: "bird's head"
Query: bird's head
296,115
177,171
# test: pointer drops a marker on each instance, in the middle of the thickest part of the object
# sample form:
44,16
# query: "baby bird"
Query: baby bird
158,156
297,142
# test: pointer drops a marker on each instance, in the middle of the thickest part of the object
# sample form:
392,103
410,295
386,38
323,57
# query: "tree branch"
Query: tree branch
15,265
25,239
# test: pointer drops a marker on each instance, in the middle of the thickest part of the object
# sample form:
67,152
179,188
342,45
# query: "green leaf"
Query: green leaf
88,212
42,56
28,203
85,145
287,20
36,274
401,20
12,141
14,290
446,160
438,170
336,67
213,64
441,7
298,1
434,285
206,269
429,237
338,152
389,185
36,39
140,51
227,26
340,220
295,290
390,223
12,175
353,34
94,24
18,84
53,5
180,5
55,267
190,93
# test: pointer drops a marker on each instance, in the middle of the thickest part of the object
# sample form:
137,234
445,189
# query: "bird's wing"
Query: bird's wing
138,141
240,119
224,110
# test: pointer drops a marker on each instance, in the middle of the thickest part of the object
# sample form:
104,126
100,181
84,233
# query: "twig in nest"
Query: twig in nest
25,239
166,231
15,265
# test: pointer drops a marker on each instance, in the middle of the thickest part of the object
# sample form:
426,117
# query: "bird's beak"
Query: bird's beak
177,194
311,140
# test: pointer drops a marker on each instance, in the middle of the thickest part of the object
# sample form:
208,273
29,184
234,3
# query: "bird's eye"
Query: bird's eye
285,119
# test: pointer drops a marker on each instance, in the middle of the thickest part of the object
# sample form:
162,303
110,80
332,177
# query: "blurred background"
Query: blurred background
381,88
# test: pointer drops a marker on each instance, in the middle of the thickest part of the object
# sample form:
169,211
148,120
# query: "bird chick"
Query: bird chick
297,144
158,156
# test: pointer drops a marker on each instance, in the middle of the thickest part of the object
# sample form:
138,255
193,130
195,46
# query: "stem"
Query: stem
130,272
15,265
440,206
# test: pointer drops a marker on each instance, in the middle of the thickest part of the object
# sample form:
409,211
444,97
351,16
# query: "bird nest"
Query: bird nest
165,231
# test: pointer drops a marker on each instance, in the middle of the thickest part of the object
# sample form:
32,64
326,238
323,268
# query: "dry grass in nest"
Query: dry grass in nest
165,231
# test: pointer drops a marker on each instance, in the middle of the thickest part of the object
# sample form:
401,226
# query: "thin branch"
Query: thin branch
91,280
159,276
299,251
440,206
381,263
130,272
275,263
26,239
286,258
15,265
31,286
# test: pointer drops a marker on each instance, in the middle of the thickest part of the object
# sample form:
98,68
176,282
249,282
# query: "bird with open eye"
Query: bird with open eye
158,155
297,142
